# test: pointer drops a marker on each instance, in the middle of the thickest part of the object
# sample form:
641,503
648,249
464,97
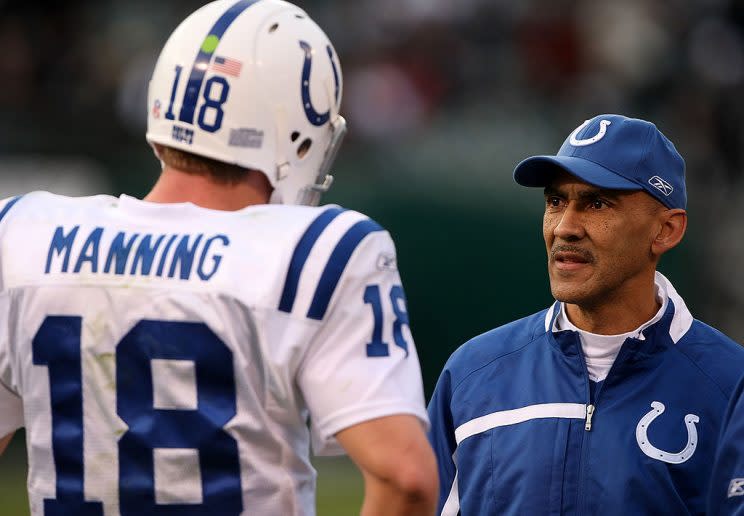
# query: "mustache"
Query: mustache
564,248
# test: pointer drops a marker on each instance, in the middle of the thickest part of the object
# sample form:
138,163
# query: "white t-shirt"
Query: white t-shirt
600,351
169,355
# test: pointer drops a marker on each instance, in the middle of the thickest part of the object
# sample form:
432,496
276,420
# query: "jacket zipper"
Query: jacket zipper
589,414
591,409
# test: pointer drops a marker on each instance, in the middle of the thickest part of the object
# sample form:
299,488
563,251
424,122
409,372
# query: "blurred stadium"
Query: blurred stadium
443,98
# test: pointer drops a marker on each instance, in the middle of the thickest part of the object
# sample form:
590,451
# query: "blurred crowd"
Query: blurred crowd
445,94
411,63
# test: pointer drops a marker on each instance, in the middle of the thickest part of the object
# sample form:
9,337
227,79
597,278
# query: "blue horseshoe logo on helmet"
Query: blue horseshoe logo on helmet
312,115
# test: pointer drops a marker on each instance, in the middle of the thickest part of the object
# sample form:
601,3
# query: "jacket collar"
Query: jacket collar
673,325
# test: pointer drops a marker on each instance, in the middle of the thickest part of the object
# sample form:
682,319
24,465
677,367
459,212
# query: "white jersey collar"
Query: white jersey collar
136,206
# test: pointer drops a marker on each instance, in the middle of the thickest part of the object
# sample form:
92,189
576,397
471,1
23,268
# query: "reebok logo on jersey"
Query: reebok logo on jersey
661,185
387,262
736,487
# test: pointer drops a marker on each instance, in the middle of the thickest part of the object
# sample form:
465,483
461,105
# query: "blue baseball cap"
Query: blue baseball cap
617,153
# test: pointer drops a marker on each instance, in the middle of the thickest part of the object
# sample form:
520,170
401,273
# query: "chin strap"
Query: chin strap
310,195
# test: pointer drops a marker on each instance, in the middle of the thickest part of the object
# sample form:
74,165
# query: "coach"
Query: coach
610,401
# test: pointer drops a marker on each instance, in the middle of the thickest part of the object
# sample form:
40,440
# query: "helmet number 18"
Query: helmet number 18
211,113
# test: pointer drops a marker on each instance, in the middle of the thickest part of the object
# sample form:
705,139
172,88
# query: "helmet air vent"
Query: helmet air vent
304,148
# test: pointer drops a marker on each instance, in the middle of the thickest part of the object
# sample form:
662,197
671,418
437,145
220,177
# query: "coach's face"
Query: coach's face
602,244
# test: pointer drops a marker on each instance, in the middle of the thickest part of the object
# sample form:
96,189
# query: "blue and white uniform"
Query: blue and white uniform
727,487
166,358
519,428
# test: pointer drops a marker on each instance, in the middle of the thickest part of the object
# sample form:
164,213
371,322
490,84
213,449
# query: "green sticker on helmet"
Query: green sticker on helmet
210,44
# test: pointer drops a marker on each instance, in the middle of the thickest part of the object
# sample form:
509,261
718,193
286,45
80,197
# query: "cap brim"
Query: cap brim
540,170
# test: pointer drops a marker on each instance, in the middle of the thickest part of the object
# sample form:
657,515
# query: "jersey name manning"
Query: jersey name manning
168,358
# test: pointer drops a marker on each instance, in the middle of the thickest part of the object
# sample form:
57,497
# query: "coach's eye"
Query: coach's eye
553,201
598,204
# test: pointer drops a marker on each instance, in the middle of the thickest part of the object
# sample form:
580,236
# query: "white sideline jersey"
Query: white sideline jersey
170,359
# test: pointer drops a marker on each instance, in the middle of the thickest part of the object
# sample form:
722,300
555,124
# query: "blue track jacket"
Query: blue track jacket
518,431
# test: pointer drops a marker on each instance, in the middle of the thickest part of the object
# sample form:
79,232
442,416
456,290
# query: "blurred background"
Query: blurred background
443,98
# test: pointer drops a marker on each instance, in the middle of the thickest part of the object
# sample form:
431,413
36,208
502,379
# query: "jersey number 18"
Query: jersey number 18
57,346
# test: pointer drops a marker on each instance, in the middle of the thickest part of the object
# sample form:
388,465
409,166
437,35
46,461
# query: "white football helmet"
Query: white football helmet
255,83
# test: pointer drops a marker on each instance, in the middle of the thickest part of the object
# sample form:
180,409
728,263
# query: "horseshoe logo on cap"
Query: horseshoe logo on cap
657,409
594,139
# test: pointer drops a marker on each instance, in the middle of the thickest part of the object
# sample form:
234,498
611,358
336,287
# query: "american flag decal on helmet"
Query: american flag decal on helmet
228,66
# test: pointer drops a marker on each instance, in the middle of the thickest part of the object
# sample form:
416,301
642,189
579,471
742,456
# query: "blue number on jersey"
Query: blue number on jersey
398,298
378,347
57,345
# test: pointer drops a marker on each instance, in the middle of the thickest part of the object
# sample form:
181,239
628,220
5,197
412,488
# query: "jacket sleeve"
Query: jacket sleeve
726,494
442,438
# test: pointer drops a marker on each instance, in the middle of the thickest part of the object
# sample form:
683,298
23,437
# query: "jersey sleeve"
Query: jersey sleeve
6,205
11,407
362,363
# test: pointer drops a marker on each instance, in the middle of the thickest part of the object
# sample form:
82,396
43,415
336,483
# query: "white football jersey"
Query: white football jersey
170,359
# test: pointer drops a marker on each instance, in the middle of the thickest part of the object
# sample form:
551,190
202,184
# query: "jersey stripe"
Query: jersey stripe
336,265
206,52
299,257
8,206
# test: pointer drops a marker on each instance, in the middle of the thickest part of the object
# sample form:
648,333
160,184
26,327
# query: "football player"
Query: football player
180,354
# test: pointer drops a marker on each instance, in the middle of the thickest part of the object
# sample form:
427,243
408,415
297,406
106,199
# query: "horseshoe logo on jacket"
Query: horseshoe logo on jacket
313,116
594,139
657,409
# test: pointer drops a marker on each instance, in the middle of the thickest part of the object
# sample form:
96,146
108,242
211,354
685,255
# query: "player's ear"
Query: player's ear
157,149
672,227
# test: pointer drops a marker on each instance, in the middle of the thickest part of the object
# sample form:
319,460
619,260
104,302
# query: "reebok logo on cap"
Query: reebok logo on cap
661,185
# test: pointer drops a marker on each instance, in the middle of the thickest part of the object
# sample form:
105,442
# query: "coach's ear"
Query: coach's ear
5,441
672,227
